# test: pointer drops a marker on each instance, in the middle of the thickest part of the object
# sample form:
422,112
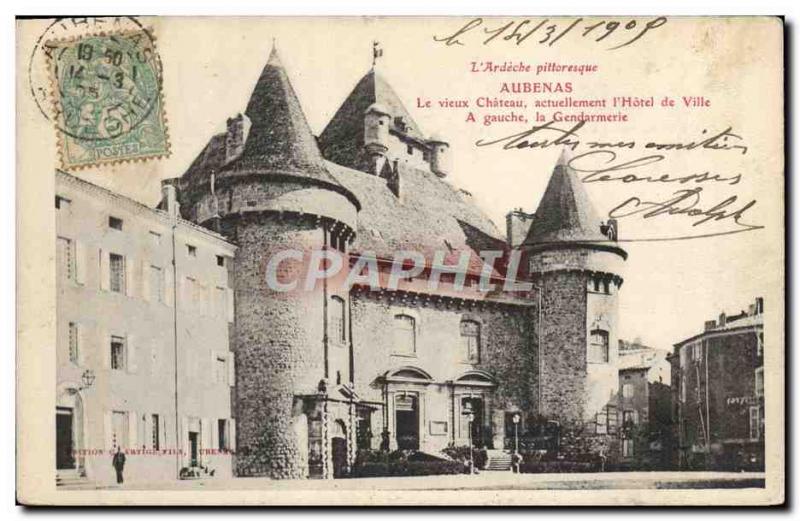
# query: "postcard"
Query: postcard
496,260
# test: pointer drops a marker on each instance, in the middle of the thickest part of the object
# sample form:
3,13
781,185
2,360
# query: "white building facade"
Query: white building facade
144,309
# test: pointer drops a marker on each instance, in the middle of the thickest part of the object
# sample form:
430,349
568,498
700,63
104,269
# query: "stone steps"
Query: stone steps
498,460
71,478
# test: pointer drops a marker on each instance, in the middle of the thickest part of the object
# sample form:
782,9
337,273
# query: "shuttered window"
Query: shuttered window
471,341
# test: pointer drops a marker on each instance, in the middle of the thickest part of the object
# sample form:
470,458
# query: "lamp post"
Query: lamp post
469,416
515,419
87,378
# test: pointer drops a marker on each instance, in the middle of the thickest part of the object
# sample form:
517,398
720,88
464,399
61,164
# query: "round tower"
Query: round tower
441,159
576,268
278,195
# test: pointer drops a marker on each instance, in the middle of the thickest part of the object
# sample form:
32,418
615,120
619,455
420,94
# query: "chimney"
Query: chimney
710,324
518,223
759,305
169,201
722,320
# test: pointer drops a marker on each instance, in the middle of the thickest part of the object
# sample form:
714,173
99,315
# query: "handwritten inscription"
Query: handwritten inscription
601,163
549,32
548,135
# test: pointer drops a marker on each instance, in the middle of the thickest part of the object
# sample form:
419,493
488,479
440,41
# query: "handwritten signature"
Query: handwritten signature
549,32
686,202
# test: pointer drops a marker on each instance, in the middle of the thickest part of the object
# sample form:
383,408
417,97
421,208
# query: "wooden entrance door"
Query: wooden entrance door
65,458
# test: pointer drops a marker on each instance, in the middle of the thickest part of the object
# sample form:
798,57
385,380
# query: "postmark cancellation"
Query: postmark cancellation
107,101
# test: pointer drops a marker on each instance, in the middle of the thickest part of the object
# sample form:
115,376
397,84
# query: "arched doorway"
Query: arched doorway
69,431
475,427
339,449
406,407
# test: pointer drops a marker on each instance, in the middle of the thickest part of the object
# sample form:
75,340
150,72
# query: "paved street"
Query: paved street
483,481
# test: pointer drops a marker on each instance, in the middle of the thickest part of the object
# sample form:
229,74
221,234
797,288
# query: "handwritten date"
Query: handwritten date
548,32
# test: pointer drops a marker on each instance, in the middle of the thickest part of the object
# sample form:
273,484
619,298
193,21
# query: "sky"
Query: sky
670,287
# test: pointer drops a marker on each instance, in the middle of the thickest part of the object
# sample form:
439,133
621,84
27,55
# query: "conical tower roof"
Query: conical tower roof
342,141
565,213
280,140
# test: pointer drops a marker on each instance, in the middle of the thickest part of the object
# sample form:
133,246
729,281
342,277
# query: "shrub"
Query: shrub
462,454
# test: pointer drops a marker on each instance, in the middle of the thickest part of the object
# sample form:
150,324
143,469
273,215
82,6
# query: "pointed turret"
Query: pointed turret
345,139
565,213
570,257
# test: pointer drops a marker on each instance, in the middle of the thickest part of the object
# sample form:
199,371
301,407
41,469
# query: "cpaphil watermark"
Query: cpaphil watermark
488,271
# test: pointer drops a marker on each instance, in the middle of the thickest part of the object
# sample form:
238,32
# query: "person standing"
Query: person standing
118,462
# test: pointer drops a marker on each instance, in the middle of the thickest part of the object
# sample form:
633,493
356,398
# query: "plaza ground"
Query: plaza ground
483,481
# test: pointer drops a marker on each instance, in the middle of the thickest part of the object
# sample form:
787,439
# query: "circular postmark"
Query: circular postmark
96,78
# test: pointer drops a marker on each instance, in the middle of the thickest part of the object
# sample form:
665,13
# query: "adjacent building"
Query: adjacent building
718,393
644,406
144,364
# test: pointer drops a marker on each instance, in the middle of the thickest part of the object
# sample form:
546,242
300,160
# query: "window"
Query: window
755,423
156,284
613,419
337,241
627,390
220,261
338,329
601,422
471,341
191,250
117,273
627,448
73,342
114,223
155,238
598,347
683,388
154,435
410,150
223,434
117,353
405,341
629,418
119,430
62,203
759,378
697,352
64,255
221,370
221,301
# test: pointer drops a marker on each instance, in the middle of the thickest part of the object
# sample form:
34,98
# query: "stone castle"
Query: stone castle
321,374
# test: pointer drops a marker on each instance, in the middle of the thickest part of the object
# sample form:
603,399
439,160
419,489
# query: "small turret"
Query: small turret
441,160
238,128
376,134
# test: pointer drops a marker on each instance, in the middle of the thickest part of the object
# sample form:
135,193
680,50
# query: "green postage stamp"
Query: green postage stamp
107,99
